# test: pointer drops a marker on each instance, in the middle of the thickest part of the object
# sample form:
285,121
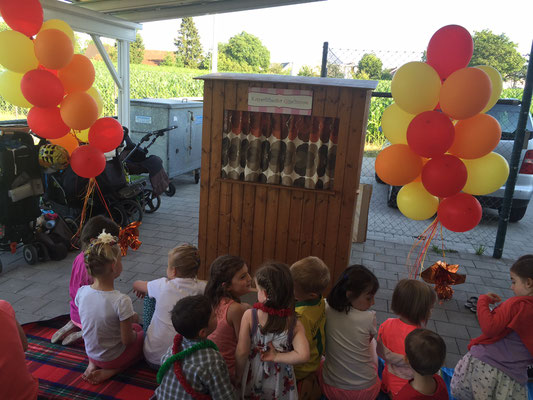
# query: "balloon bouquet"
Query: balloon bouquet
441,139
43,74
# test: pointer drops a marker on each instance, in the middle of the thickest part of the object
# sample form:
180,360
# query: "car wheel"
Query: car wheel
517,213
392,196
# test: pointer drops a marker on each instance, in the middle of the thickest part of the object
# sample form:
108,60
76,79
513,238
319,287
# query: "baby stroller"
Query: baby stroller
65,192
20,191
137,162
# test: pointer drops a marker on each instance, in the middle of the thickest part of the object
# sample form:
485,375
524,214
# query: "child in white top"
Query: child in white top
271,339
350,370
113,339
183,264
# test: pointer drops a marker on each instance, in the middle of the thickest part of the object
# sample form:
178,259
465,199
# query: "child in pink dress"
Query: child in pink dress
228,281
79,276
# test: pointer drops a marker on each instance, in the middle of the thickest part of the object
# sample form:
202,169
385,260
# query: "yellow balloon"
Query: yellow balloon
16,52
394,123
486,174
95,94
10,89
83,136
60,25
415,202
497,85
415,87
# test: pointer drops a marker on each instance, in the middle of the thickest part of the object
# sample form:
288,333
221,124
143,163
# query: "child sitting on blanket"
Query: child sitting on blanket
192,366
16,382
113,339
180,282
80,277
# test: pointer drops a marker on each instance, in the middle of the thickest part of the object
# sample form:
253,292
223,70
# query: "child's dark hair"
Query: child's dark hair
101,253
185,258
94,227
523,267
425,350
190,315
356,279
275,278
413,300
311,275
222,271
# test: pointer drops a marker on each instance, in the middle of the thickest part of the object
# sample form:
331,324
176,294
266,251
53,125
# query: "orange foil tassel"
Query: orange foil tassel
443,276
129,237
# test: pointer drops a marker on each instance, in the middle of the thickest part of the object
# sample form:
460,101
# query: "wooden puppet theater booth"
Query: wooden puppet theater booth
281,160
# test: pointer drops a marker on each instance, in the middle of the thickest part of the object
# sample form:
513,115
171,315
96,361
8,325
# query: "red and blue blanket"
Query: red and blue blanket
59,369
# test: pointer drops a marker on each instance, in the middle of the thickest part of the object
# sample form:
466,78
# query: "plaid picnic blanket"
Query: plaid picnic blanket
59,369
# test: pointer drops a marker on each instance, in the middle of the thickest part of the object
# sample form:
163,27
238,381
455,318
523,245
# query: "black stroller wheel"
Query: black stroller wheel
42,252
118,214
31,256
171,190
133,211
151,202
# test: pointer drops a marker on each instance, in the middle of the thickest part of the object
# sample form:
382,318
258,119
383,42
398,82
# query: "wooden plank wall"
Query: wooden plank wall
262,222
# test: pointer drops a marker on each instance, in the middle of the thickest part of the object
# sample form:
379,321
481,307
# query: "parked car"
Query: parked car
506,112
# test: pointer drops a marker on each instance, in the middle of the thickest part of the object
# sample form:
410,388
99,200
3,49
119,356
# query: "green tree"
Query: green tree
189,48
137,50
371,65
497,51
334,71
206,61
243,53
277,69
168,61
306,70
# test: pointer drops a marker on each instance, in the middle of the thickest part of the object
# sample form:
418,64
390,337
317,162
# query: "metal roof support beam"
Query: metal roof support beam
88,21
107,60
124,75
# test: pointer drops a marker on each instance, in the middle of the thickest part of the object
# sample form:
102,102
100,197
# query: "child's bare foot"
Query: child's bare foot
100,375
90,369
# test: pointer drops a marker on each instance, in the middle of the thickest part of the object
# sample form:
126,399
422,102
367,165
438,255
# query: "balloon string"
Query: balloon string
88,193
103,200
422,243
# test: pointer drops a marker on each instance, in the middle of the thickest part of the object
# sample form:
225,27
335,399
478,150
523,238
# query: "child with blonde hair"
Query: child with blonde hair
412,301
311,278
271,339
350,368
79,276
113,339
496,365
180,282
228,281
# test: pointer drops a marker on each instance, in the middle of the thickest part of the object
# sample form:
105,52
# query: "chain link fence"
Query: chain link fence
385,220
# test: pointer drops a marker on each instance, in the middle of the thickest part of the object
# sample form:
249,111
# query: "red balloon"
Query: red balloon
444,176
450,49
459,213
24,16
42,88
106,134
46,122
430,134
87,161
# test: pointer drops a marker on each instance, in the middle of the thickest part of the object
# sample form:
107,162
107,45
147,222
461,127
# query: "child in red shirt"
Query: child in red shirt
425,352
412,301
497,361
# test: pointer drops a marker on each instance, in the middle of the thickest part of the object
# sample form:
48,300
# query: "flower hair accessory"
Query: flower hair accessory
280,312
107,238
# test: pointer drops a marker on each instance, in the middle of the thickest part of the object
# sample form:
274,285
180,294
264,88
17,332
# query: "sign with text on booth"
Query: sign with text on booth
281,101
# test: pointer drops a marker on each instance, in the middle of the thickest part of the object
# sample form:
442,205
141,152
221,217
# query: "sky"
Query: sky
296,33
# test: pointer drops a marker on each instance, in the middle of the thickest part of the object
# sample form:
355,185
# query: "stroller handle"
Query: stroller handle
146,138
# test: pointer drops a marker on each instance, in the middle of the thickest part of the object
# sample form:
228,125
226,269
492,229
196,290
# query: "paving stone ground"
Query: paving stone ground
41,291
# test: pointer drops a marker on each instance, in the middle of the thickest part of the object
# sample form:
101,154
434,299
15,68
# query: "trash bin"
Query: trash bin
181,148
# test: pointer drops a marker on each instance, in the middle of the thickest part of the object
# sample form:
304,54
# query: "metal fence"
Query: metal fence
385,220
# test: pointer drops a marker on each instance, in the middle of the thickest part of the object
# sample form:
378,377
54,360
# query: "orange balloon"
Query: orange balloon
465,93
398,165
53,49
68,142
476,137
78,75
78,110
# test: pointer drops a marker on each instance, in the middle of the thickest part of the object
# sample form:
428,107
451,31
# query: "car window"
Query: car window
507,115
